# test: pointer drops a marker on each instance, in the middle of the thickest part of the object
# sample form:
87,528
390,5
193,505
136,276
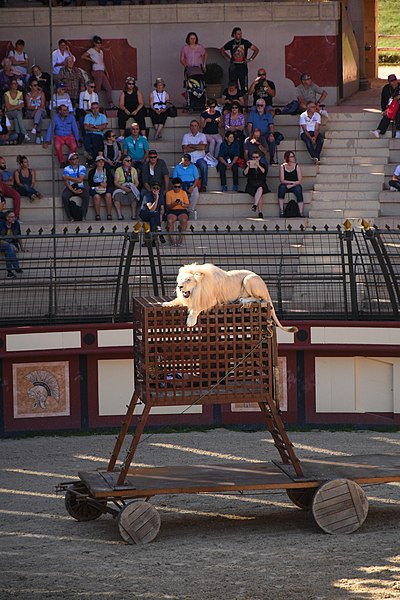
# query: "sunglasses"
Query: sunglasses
91,86
177,187
262,105
35,85
262,74
152,155
127,160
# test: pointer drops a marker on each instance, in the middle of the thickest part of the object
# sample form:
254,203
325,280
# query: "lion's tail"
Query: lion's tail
277,322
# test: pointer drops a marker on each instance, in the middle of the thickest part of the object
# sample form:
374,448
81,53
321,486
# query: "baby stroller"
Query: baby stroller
195,88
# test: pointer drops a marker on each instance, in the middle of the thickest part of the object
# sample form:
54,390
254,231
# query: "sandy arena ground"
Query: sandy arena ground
258,546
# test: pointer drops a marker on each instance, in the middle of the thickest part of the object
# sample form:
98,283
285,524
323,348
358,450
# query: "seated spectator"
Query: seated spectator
95,56
158,112
101,186
234,121
6,135
256,182
253,144
194,143
261,119
177,204
10,243
14,104
60,55
390,91
290,181
154,170
131,105
112,150
95,123
310,124
72,79
86,98
35,108
73,176
19,58
309,91
229,153
6,181
262,88
230,94
394,183
126,183
61,97
137,147
25,179
210,121
6,75
65,132
152,209
188,174
44,80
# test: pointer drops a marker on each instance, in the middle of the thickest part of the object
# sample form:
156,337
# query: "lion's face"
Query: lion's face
186,283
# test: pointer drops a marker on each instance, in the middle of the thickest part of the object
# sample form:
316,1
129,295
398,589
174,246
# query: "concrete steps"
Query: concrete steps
350,182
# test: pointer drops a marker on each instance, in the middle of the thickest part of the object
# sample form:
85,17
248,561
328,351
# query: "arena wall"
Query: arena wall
331,374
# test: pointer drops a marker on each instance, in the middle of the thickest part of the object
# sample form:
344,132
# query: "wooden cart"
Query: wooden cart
230,356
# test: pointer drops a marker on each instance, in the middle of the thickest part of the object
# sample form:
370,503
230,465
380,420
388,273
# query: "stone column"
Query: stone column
356,12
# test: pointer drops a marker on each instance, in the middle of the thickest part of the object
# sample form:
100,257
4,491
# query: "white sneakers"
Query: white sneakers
34,131
324,113
398,134
375,133
392,189
27,138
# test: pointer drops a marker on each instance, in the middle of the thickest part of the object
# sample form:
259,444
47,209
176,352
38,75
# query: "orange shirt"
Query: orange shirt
173,196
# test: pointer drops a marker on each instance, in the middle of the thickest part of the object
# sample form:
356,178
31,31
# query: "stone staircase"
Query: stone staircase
349,182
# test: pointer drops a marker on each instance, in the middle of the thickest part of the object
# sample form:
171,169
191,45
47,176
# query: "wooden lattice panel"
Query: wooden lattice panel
175,364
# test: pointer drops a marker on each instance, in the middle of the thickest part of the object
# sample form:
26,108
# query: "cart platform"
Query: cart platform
151,481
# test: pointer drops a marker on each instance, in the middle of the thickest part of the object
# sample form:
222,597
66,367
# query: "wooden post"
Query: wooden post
124,430
134,444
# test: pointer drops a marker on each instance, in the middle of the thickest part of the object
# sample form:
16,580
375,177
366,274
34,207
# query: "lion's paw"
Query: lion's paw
247,300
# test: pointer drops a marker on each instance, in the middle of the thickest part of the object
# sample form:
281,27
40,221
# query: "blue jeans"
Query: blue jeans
297,191
203,169
152,217
93,143
314,151
10,252
234,170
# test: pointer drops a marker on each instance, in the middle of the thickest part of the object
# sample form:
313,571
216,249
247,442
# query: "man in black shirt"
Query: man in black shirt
236,51
262,88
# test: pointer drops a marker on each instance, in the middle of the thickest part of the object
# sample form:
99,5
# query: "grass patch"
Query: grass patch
388,19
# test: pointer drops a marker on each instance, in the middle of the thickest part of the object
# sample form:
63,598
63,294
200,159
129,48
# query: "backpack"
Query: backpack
291,109
291,209
75,210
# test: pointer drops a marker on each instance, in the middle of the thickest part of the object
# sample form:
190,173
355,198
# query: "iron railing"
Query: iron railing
311,274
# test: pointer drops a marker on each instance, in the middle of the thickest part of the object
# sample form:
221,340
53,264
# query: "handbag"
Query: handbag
100,190
392,109
172,111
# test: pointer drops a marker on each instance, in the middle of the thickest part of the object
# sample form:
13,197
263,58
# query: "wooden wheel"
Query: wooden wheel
340,506
301,497
77,505
139,522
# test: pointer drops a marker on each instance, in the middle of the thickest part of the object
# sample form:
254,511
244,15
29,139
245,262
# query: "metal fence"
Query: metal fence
312,274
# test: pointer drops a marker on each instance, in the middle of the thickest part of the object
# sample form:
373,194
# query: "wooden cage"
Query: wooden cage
225,358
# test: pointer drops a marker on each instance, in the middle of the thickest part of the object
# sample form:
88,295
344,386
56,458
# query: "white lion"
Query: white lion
200,287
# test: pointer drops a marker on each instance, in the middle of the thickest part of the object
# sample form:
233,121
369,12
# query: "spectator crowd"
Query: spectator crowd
234,132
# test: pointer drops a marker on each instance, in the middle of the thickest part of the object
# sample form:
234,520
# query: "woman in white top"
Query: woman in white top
159,100
99,72
60,55
19,58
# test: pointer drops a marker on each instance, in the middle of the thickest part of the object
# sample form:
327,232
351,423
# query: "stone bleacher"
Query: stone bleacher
350,182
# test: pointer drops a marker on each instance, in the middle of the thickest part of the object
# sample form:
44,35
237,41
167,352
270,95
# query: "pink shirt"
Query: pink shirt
193,55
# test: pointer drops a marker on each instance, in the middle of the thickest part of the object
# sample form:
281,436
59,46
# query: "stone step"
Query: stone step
353,160
350,169
348,187
339,216
354,143
343,195
342,203
349,177
356,133
381,152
